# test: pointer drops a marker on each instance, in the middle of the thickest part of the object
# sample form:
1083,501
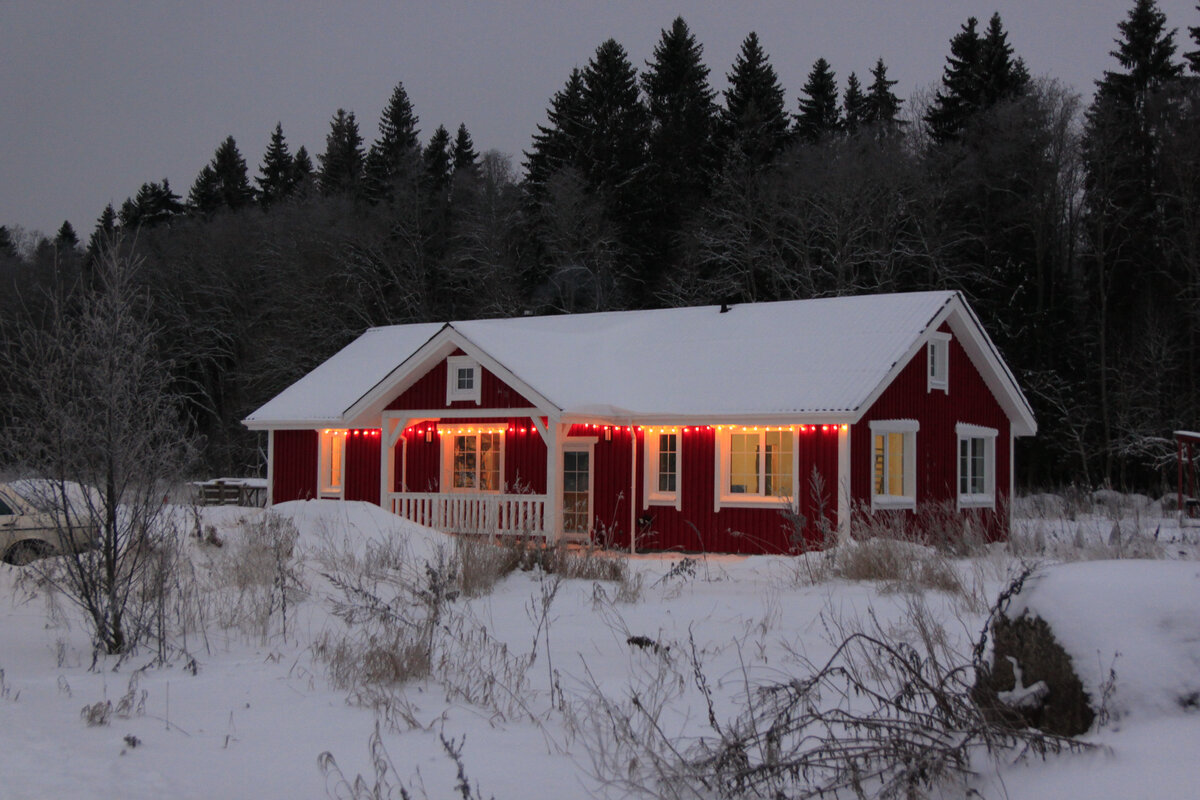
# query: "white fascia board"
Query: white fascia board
413,368
841,417
919,342
292,424
984,356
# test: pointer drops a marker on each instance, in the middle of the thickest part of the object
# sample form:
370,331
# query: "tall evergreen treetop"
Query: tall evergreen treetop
754,123
1146,51
560,143
103,234
616,122
820,116
679,100
204,198
466,160
277,175
232,181
154,204
342,161
398,148
980,72
438,161
1193,57
883,107
66,239
8,248
854,105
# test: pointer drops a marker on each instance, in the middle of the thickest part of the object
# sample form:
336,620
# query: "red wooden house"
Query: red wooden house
687,428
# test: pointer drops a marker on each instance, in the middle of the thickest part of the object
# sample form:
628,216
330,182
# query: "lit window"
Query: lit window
475,462
332,462
894,463
662,469
976,465
462,379
937,354
759,464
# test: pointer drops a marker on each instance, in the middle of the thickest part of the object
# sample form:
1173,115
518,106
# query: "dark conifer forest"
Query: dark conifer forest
1071,224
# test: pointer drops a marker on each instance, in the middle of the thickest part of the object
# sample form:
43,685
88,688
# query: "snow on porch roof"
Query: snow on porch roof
765,359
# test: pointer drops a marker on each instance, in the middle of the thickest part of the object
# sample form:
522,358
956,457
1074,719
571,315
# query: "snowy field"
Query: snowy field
278,692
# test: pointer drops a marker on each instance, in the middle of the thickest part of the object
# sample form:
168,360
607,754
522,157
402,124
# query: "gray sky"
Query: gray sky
97,97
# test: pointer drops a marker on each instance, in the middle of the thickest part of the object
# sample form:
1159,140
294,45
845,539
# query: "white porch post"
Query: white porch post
552,435
270,467
843,484
390,430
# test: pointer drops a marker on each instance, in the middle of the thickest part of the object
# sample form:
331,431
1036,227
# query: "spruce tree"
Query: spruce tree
883,107
103,234
466,160
854,105
681,153
155,204
304,175
277,175
819,116
397,151
1193,57
205,195
980,72
754,124
66,239
438,161
560,143
232,180
616,122
342,161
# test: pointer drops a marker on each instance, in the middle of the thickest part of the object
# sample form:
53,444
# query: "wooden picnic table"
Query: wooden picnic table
231,492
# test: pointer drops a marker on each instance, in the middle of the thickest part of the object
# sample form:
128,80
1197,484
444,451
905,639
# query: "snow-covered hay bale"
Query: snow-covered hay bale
1107,639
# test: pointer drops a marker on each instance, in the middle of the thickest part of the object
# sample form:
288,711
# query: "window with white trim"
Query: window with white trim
894,463
332,462
662,469
937,353
976,466
755,466
474,460
462,379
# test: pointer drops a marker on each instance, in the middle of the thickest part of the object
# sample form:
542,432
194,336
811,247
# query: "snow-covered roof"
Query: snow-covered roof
822,356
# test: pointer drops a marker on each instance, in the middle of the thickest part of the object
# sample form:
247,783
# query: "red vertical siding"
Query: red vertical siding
430,392
294,465
362,465
695,526
968,401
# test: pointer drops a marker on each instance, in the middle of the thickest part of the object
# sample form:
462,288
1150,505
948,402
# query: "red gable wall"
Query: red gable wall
969,401
430,392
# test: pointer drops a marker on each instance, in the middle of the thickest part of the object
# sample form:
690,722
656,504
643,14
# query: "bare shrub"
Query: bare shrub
898,564
889,715
482,564
587,564
257,577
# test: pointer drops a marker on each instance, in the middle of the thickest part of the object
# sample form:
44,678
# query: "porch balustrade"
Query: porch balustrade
503,514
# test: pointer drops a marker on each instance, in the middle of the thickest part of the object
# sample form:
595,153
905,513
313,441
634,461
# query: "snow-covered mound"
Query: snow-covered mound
357,528
1139,620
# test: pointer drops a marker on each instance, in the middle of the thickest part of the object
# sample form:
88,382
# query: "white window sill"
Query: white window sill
753,501
889,501
938,387
976,501
662,500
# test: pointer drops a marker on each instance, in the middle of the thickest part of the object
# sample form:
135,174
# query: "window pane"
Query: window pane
667,455
489,462
464,462
931,354
575,491
743,463
895,464
466,378
777,467
964,466
978,482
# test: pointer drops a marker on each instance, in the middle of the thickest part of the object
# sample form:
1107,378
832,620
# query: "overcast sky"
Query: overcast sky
98,97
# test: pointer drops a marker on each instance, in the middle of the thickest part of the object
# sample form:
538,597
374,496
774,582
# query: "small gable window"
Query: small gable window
937,353
462,379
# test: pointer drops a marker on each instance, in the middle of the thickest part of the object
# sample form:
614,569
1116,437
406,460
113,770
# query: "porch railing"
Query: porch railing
508,514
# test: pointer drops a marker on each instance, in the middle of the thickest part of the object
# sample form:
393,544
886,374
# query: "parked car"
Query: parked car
27,533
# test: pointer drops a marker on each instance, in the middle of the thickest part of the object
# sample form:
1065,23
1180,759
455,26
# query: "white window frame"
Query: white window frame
651,494
909,428
453,393
987,498
447,434
722,497
331,441
937,360
580,444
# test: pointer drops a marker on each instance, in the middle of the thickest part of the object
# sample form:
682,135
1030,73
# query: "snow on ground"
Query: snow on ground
260,707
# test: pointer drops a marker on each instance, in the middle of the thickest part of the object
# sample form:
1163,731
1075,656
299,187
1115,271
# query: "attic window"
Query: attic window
938,357
462,379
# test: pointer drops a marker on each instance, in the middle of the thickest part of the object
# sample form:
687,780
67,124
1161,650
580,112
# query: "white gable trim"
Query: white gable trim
983,354
415,367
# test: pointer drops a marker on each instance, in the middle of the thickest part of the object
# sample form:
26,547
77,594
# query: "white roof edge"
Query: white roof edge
1008,382
782,418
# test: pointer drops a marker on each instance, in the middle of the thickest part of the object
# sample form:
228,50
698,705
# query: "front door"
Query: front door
577,490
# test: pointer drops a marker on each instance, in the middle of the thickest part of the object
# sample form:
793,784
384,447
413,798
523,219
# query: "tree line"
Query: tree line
1073,229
